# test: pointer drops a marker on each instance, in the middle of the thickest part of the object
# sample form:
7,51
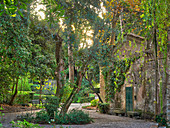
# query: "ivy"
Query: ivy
114,76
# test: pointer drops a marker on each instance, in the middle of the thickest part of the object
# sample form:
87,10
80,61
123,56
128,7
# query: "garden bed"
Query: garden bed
89,107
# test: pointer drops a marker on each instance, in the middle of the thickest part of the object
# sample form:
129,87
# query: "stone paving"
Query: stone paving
100,121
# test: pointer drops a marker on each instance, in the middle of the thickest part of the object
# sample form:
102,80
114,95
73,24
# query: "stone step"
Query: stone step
132,113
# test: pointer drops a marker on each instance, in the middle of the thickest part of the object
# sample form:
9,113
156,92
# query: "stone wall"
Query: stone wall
141,76
135,78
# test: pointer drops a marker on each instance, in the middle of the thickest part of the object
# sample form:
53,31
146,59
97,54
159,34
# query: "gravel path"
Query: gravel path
100,121
110,121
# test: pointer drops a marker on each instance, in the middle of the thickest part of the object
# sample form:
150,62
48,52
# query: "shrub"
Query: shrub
66,92
24,124
78,117
73,117
1,115
104,107
161,119
27,117
22,97
52,105
94,102
42,117
86,99
86,106
62,120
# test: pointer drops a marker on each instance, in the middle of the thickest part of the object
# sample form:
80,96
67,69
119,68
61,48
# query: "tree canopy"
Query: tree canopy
77,39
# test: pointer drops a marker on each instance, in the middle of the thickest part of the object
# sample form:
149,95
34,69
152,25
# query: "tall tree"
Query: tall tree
155,18
80,15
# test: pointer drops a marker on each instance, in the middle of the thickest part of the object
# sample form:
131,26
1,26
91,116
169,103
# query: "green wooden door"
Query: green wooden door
129,99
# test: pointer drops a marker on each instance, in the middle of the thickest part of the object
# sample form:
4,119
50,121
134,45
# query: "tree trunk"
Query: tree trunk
156,59
121,23
58,60
40,99
72,95
166,76
144,96
156,72
15,93
102,86
113,32
92,87
70,61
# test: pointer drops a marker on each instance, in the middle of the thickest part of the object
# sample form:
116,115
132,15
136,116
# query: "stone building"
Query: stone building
138,90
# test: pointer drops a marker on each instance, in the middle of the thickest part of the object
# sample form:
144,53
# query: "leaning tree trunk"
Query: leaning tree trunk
15,93
92,87
58,59
72,95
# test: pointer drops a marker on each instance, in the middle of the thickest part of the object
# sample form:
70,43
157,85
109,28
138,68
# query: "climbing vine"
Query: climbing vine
114,76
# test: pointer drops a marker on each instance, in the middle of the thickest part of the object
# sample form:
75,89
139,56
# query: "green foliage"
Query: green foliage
42,64
52,106
79,117
24,124
86,99
67,90
53,10
1,116
161,119
73,117
23,84
86,106
22,97
84,94
104,107
43,97
42,117
28,117
11,7
15,52
94,102
62,120
115,76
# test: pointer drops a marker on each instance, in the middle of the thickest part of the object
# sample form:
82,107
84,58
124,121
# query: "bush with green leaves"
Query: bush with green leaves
73,117
52,105
24,124
42,117
94,102
27,117
161,119
62,120
79,117
103,107
21,98
86,99
1,115
24,83
66,92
